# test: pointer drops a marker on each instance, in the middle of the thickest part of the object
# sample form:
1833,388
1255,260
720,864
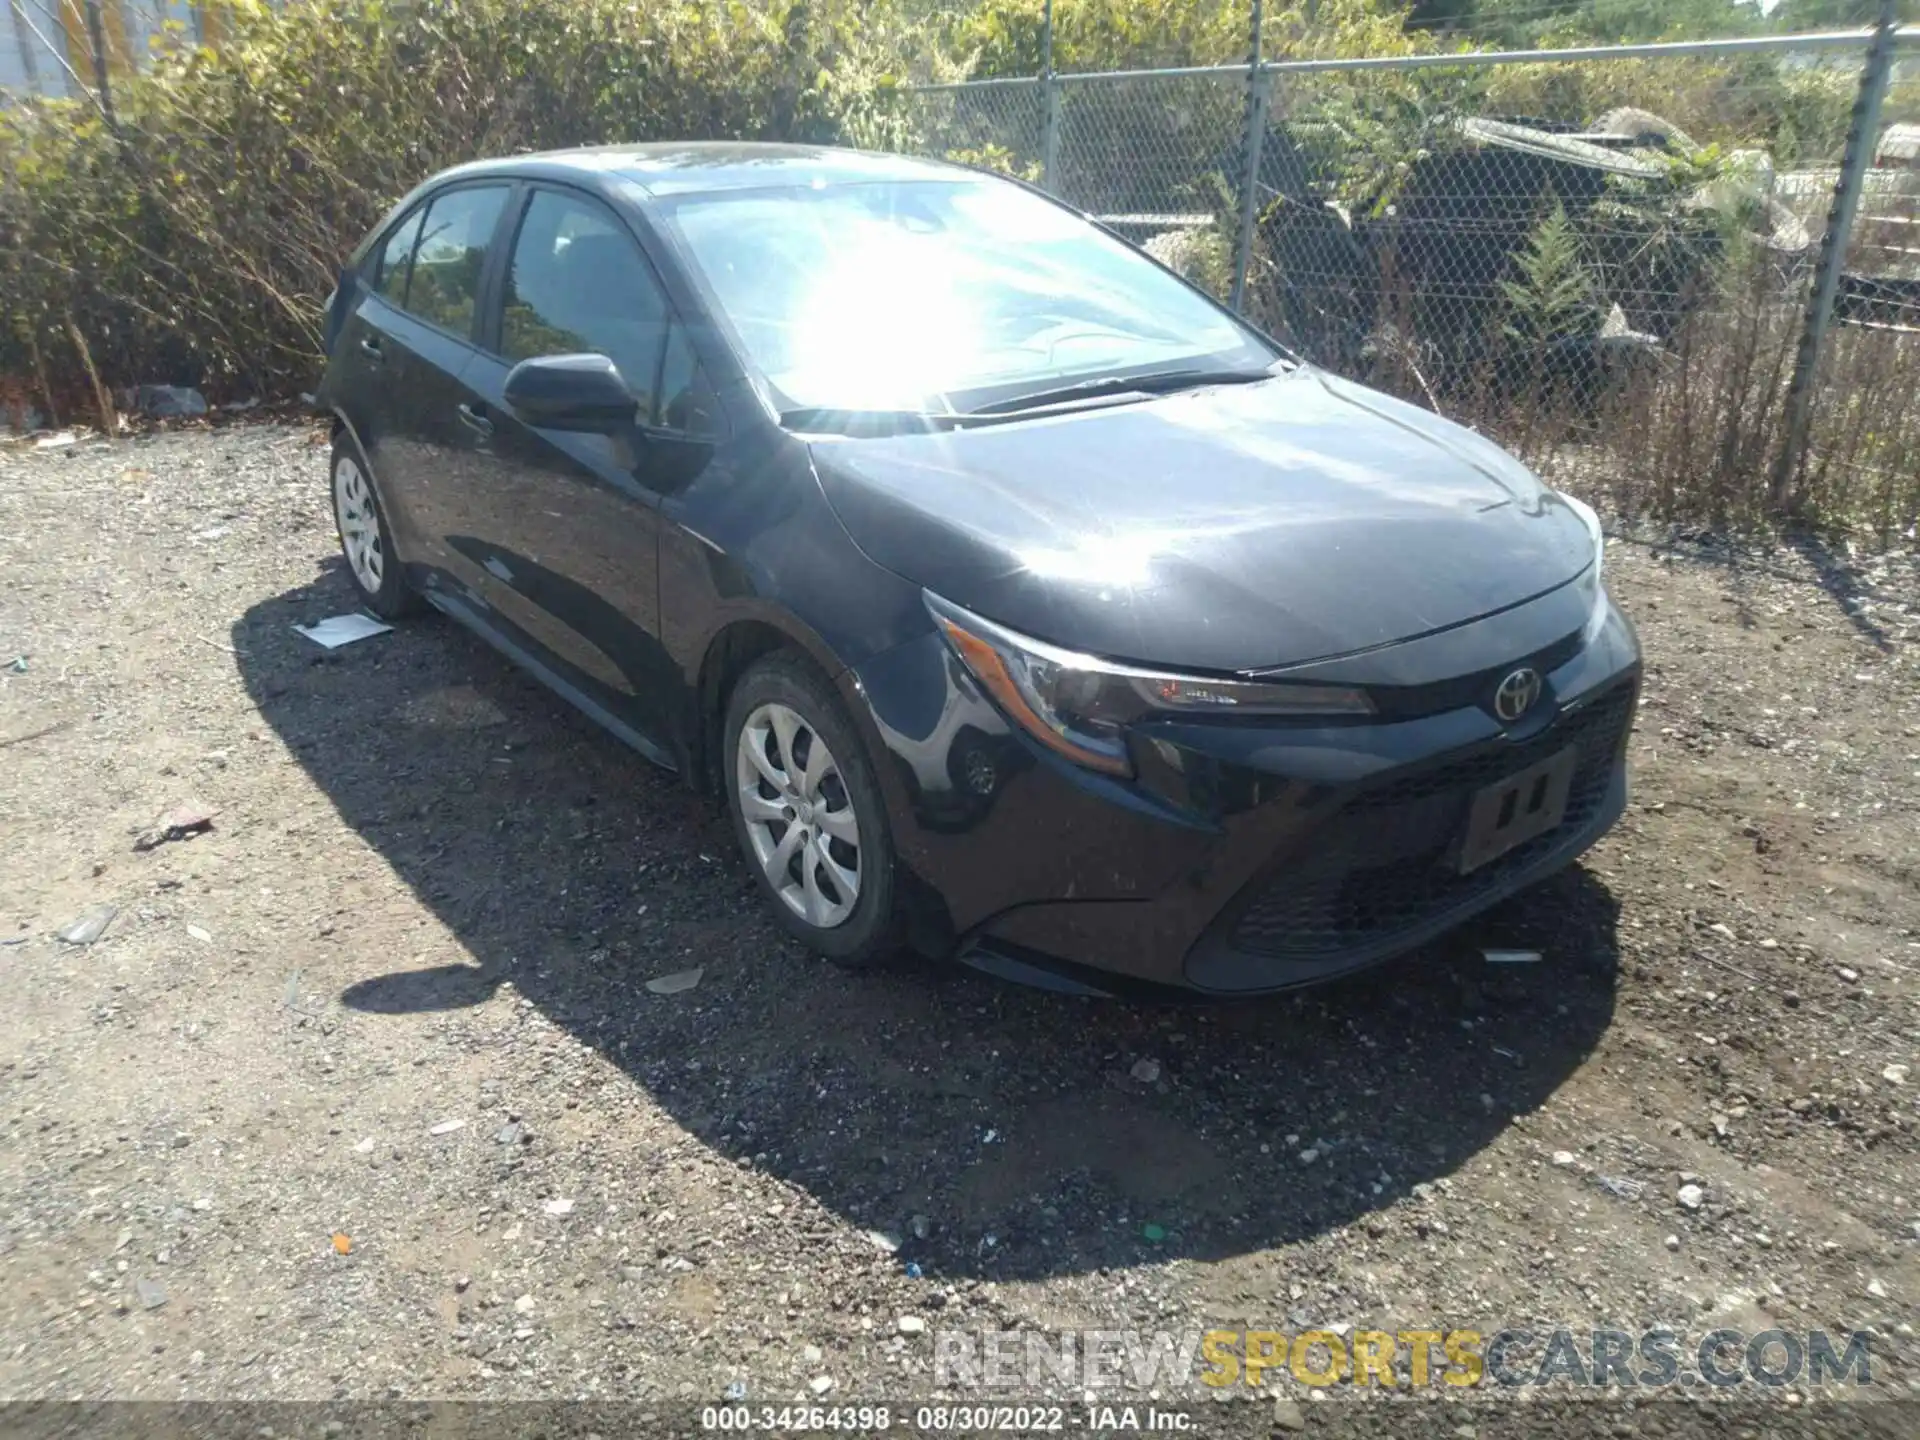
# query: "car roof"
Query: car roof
694,167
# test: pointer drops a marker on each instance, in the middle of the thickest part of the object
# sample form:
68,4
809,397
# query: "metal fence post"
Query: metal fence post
1259,83
1863,134
1050,137
1050,98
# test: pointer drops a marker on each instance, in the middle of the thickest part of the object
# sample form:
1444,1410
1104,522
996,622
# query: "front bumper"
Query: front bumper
1242,859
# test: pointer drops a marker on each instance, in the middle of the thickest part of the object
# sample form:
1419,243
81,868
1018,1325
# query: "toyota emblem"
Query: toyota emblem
1517,694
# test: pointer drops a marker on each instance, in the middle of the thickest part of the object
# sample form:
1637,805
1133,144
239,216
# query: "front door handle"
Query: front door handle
476,422
371,348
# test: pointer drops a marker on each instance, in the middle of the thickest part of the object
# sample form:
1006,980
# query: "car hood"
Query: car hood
1237,527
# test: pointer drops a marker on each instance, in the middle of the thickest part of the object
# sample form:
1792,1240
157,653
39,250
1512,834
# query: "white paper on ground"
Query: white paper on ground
676,982
338,630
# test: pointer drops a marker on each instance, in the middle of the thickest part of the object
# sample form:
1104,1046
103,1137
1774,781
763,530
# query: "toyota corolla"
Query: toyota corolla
1019,602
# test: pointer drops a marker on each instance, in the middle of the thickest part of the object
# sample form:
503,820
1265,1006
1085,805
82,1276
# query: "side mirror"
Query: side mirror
571,392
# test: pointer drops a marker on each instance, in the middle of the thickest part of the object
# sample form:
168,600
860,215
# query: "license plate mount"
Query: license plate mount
1516,809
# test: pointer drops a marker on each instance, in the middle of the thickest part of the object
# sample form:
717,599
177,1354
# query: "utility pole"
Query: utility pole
23,41
97,38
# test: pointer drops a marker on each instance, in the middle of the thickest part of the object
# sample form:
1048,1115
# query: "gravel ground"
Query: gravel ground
361,1094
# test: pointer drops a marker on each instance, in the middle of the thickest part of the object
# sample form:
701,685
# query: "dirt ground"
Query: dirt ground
396,996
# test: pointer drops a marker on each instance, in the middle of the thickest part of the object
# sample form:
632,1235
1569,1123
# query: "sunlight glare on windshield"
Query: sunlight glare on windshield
877,325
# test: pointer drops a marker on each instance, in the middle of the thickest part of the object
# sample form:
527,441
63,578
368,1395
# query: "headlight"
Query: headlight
1592,521
1080,706
1597,610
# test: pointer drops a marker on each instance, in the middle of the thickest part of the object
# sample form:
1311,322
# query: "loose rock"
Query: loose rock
181,822
90,926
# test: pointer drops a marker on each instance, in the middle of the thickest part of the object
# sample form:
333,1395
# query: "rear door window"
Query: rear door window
577,283
395,259
447,265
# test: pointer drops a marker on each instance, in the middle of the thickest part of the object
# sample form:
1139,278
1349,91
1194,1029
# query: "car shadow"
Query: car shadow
995,1131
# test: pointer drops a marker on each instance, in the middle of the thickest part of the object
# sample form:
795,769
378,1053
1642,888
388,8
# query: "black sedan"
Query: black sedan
1021,602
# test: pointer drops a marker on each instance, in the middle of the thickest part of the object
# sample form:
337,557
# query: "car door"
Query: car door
566,525
358,380
414,340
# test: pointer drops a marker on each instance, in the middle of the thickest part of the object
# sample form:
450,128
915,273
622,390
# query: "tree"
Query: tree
1551,298
1792,16
1521,24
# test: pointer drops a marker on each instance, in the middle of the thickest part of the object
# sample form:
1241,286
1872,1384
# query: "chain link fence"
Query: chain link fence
996,124
1604,257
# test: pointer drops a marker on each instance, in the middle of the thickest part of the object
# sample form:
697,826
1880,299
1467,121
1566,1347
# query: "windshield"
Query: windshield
916,295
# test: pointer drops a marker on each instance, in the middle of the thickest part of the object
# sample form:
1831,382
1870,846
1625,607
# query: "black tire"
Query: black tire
392,598
869,934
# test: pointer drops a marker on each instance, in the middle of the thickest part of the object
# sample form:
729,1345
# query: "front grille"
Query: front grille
1411,702
1385,864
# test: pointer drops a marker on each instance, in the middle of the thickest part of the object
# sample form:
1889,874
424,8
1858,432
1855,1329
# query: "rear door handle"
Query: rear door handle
371,348
475,421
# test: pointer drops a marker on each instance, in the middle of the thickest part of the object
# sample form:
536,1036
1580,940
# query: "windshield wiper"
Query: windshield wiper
1154,382
827,420
822,419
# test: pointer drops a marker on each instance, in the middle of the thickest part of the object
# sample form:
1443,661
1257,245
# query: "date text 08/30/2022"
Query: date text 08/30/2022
959,1419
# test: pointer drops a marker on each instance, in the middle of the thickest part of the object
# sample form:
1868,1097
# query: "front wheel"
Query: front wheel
807,812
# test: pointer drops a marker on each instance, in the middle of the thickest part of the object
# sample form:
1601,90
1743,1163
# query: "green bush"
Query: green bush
1005,37
197,238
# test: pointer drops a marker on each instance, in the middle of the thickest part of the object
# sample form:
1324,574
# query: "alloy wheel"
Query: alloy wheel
799,817
359,521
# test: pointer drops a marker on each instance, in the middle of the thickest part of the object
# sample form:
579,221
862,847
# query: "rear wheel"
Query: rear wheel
366,539
807,812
